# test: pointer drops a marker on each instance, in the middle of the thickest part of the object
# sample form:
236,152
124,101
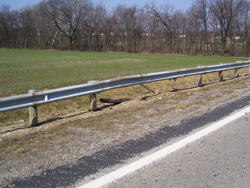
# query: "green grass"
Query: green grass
21,70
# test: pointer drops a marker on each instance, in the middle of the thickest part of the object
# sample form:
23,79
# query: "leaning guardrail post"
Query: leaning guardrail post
33,118
93,103
220,73
200,80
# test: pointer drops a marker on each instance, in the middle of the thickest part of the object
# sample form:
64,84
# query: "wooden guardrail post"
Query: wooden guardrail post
200,80
33,118
249,68
93,103
220,73
92,98
236,72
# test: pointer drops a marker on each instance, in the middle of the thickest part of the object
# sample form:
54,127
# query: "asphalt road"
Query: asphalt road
221,159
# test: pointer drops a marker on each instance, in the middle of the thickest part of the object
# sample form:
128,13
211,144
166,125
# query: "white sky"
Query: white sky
179,4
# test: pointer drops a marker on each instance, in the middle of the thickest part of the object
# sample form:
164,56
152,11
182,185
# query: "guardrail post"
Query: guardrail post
236,72
220,76
249,68
93,103
33,118
200,80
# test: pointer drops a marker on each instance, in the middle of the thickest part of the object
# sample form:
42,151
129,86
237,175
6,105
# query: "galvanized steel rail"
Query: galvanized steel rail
37,98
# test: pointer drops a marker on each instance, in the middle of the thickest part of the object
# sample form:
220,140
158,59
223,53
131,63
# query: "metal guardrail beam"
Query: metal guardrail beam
94,87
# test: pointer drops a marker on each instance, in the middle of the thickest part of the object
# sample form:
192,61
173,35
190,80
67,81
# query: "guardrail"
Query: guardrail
35,98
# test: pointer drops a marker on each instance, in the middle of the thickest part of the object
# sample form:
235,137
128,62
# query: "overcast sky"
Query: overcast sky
179,4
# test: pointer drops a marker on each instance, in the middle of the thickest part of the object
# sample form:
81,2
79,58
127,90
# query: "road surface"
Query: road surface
221,159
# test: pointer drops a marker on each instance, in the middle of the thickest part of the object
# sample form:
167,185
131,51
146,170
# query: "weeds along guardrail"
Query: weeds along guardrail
35,98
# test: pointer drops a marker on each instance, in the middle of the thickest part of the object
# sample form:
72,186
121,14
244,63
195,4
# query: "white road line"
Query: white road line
117,174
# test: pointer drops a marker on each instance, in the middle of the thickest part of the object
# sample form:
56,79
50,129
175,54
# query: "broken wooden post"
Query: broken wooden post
146,87
220,76
114,101
200,80
33,118
93,103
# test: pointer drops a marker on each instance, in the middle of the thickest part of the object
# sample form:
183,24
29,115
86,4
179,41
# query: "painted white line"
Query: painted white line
117,174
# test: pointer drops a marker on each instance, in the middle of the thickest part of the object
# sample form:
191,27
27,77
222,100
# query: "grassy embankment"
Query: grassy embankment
21,70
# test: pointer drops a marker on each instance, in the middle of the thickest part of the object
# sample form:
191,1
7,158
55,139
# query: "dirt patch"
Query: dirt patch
65,138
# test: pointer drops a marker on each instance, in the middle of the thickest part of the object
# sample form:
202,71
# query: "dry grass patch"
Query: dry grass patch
15,148
22,143
189,104
22,150
11,148
226,91
213,97
240,85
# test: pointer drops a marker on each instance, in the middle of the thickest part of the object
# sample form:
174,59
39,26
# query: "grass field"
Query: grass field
21,70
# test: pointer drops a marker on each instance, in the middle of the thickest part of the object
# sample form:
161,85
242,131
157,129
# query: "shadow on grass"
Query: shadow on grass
12,130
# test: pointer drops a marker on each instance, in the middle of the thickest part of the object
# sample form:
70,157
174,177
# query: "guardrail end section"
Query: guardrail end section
33,117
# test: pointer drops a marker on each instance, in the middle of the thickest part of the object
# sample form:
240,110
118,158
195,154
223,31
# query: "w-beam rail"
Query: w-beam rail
35,98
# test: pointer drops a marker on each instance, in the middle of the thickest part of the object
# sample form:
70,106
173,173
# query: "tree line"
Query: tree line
208,27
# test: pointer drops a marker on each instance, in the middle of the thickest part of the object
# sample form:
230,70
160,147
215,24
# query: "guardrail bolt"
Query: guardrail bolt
93,103
220,76
33,118
199,80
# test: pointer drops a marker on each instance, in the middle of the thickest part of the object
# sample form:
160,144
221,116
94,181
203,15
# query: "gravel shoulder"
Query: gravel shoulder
27,151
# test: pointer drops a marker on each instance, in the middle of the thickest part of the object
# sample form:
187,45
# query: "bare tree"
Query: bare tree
97,17
150,30
163,15
225,11
242,27
179,29
66,15
28,27
199,9
109,31
47,33
194,26
8,26
129,23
